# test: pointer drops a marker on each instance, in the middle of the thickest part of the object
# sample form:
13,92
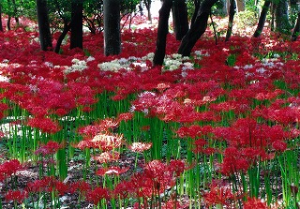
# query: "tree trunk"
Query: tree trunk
221,8
262,18
43,22
1,25
16,13
76,26
232,11
196,6
240,4
60,39
112,36
8,23
162,32
148,7
197,29
282,17
296,30
180,18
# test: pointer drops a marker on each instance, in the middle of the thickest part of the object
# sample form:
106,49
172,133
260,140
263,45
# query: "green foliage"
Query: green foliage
17,8
245,19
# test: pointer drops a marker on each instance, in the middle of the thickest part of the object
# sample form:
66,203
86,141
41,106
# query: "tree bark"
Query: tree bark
8,23
262,18
296,30
76,24
232,11
180,18
282,17
197,29
112,36
162,32
148,7
196,6
240,4
60,39
43,22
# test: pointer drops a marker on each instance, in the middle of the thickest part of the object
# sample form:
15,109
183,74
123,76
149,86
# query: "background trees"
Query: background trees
43,22
64,16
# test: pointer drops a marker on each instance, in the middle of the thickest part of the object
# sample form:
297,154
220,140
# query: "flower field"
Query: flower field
218,129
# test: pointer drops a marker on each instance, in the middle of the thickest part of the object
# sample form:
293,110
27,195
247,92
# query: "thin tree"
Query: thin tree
76,24
197,4
262,18
282,17
43,23
162,32
148,7
112,35
232,11
180,18
197,29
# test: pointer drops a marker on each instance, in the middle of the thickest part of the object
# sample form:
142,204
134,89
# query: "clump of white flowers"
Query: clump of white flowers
77,65
201,53
110,66
174,61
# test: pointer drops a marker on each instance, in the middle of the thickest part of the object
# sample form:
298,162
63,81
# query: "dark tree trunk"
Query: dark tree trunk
273,9
282,17
60,39
112,36
148,7
232,11
197,29
162,32
296,30
180,18
16,13
43,22
196,6
1,25
262,19
76,26
8,23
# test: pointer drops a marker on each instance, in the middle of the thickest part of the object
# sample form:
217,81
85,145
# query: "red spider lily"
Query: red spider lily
47,184
124,117
46,125
41,185
84,144
219,195
177,166
139,146
48,149
194,131
161,176
11,167
233,162
60,187
123,189
97,194
80,186
255,203
106,157
16,196
107,142
142,185
113,170
279,145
